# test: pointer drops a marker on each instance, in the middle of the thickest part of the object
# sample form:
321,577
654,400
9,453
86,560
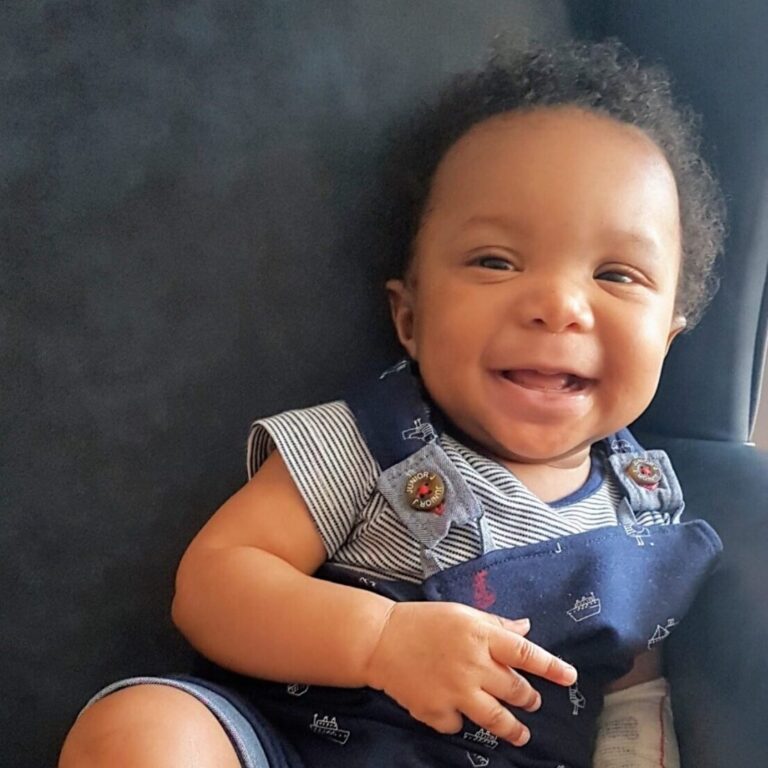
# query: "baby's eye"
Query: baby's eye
493,262
612,276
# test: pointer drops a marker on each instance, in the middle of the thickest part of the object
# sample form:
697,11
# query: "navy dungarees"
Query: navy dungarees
596,599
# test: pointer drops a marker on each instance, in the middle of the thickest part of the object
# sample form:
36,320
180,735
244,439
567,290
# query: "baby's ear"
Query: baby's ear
677,327
401,308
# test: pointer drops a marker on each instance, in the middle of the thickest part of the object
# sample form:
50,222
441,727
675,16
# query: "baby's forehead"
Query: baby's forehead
566,125
553,177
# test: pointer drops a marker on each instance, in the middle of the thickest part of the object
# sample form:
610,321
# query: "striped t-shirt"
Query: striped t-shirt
336,475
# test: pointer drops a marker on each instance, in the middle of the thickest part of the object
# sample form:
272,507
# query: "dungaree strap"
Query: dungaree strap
393,414
431,526
401,428
648,481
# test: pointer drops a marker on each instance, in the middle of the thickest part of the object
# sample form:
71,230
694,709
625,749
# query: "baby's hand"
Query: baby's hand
442,660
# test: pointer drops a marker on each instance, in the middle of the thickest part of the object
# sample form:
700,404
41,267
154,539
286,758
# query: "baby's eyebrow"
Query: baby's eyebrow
644,242
501,222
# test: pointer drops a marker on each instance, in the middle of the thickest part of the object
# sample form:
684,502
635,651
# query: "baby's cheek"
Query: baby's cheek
632,390
449,335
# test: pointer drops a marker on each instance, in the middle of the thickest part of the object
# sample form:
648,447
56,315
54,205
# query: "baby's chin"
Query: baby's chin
555,453
563,459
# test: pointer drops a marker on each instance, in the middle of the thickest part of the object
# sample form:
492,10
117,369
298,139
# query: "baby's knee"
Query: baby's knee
147,725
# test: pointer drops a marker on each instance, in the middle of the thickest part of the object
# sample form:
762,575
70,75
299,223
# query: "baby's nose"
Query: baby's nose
556,306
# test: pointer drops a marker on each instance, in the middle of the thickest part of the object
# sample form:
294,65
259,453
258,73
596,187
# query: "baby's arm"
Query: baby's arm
635,726
245,599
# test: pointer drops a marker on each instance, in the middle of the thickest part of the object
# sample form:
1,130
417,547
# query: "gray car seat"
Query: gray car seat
183,186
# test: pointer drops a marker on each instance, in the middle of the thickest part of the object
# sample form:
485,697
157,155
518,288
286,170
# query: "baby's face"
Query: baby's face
540,303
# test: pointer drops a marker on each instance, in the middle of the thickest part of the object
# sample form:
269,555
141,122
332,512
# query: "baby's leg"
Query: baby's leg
160,725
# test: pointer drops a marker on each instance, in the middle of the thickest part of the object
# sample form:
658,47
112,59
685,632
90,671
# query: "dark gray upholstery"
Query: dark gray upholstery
183,186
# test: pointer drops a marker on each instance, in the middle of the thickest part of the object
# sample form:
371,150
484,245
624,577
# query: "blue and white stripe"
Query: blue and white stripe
336,475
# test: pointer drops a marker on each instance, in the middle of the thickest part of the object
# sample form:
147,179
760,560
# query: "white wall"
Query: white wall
761,427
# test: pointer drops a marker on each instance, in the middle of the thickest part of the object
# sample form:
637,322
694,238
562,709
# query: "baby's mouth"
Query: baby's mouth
546,382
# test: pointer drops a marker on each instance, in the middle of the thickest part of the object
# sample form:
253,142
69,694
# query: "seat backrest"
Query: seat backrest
181,194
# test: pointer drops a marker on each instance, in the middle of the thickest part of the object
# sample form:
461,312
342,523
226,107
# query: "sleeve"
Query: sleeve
328,460
635,729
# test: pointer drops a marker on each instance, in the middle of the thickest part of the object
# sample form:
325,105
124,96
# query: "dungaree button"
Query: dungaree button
644,472
425,492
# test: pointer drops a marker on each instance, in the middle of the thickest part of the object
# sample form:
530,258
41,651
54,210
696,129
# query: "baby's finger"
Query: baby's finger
515,651
507,685
489,713
518,626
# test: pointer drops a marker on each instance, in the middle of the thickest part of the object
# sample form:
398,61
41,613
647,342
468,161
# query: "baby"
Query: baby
468,560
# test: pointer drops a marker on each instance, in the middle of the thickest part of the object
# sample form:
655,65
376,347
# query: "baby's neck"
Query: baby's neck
551,482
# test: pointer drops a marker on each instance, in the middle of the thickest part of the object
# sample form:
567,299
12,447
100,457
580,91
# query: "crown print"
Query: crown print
481,736
325,722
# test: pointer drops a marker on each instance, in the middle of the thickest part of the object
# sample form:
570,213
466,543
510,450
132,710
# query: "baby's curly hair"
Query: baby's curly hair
602,77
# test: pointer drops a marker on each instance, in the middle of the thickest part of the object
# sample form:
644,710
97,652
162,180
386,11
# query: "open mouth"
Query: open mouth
558,382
